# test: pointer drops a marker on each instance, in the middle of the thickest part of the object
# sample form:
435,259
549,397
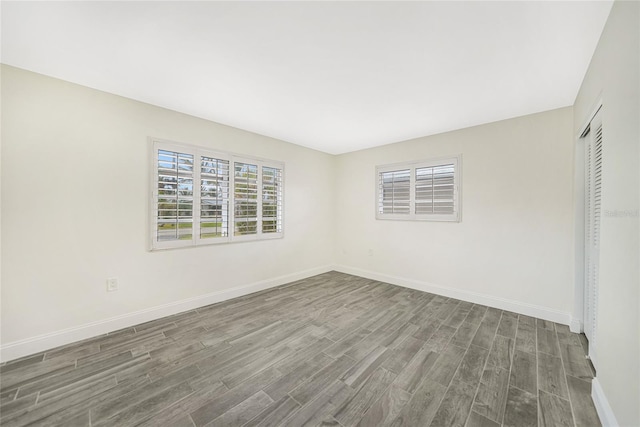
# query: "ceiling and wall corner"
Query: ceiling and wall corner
332,76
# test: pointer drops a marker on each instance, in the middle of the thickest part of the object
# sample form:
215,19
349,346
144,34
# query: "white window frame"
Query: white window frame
412,166
198,152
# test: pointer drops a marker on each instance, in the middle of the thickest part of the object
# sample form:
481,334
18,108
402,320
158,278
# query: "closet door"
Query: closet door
593,204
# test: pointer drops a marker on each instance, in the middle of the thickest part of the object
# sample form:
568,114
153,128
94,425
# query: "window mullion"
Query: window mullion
433,190
232,198
197,188
412,193
455,194
259,198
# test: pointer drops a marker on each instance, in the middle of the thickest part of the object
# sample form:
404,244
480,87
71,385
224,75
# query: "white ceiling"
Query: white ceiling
334,76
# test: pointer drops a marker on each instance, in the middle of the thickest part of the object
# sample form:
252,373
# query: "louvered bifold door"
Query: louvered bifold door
593,212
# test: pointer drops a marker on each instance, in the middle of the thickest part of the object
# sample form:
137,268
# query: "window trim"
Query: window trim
412,166
156,144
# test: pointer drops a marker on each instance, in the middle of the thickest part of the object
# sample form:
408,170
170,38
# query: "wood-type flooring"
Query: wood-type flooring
333,349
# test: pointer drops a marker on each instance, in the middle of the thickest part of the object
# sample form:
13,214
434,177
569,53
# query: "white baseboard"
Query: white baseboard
607,417
464,295
25,347
576,325
593,356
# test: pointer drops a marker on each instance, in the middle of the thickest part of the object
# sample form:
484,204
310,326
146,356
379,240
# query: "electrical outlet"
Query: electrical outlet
112,284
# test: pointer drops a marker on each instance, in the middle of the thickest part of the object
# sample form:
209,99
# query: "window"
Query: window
426,190
204,197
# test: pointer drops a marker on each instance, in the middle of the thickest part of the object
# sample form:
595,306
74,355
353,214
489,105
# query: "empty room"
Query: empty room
340,213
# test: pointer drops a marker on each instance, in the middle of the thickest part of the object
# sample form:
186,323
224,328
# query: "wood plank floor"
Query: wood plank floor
333,349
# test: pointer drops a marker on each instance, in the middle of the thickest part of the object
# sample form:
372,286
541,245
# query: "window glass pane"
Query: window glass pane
271,200
394,194
245,194
214,197
175,196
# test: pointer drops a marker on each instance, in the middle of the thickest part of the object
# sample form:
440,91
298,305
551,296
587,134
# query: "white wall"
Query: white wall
614,76
75,187
515,241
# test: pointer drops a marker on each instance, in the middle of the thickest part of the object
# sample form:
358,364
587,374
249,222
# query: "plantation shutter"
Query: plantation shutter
202,197
174,200
394,196
214,197
426,190
245,195
271,200
435,190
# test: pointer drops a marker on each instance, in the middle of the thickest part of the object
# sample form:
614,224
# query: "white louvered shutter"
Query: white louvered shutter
203,197
245,193
214,197
435,190
394,194
271,200
174,196
426,190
